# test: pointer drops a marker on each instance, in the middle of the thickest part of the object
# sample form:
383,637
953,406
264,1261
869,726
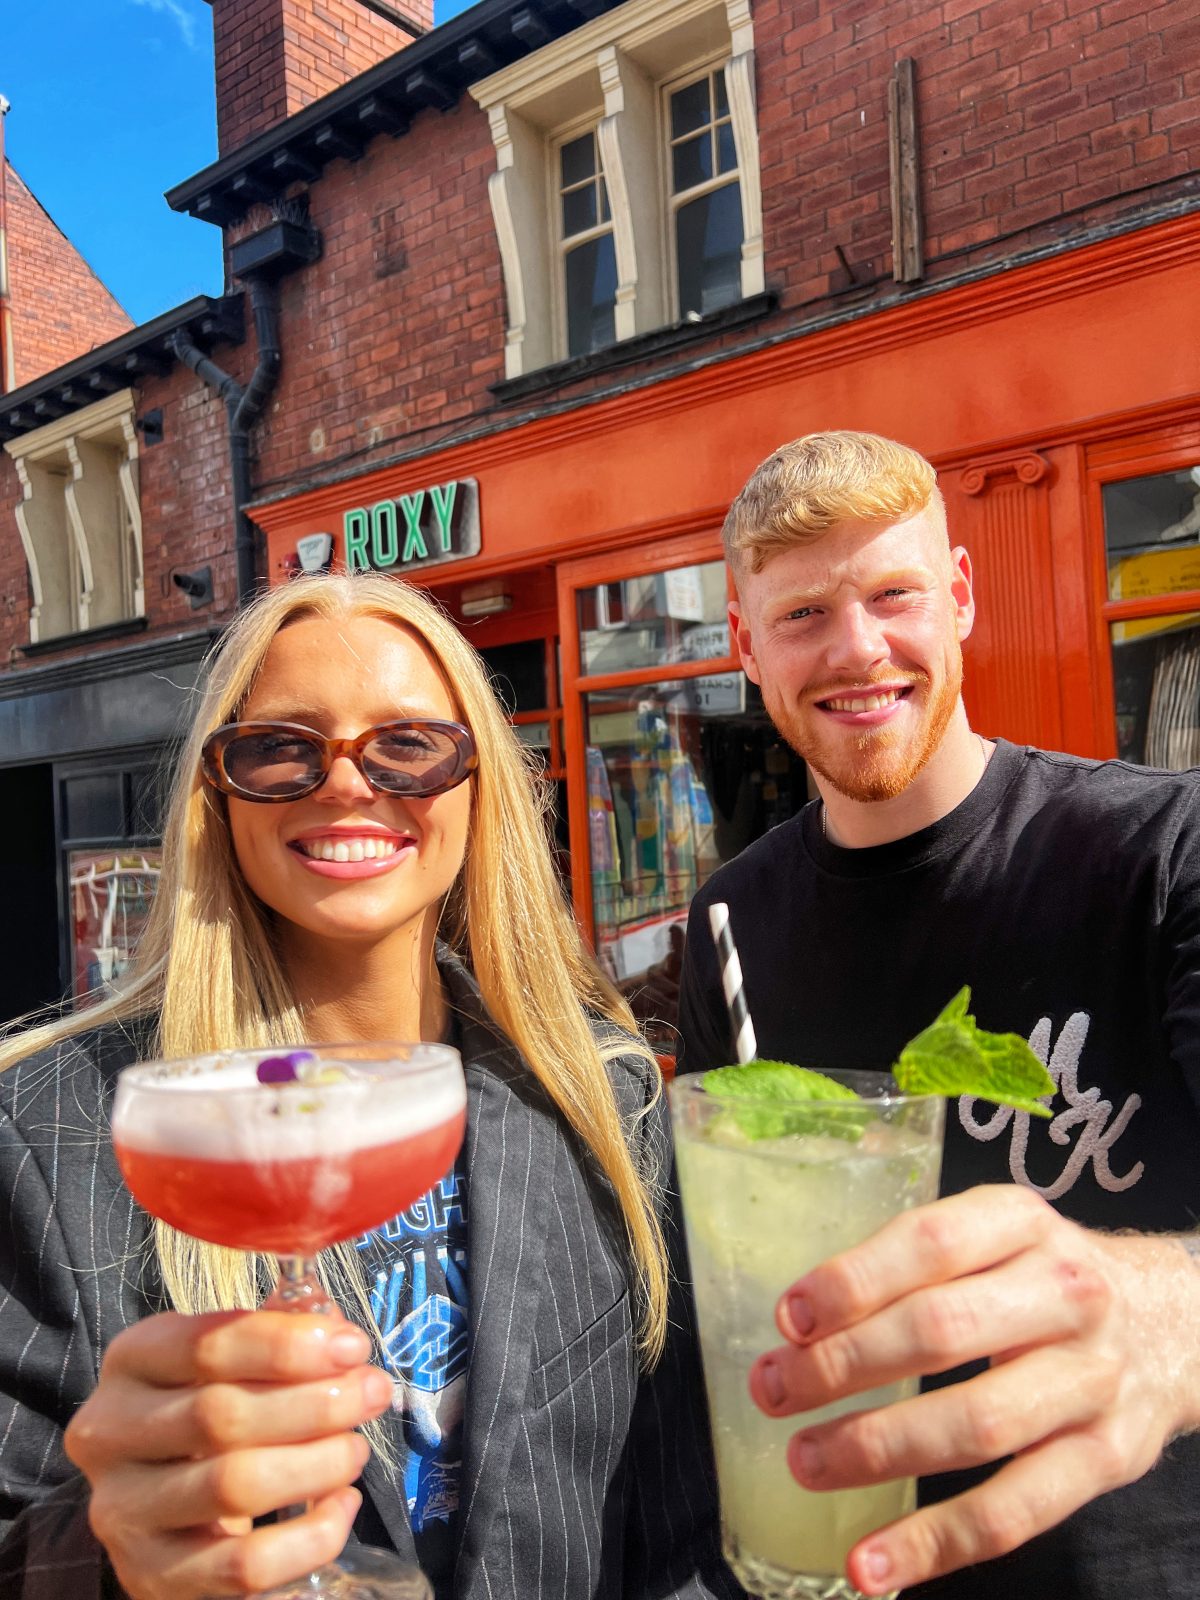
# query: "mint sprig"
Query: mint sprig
770,1099
954,1056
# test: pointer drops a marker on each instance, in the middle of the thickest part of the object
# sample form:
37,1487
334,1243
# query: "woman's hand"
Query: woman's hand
1094,1354
198,1425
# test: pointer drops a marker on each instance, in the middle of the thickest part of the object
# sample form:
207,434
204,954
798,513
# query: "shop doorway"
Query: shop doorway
672,763
29,970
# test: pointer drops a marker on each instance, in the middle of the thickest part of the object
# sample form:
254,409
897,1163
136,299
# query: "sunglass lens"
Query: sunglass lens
412,760
272,764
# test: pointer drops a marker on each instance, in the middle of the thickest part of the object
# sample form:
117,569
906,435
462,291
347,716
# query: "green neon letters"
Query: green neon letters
435,524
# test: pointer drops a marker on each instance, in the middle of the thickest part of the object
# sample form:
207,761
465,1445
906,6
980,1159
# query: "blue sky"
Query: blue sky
112,103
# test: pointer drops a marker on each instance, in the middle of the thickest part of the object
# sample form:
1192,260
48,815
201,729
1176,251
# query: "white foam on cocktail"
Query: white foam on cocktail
230,1116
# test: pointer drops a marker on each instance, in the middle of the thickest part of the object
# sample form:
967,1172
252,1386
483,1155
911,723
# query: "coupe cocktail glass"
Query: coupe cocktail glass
759,1213
288,1168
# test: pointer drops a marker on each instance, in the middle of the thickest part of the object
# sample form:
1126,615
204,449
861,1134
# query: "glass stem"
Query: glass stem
298,1289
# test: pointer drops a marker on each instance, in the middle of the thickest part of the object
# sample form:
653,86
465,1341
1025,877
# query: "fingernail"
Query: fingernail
770,1381
350,1347
808,1459
798,1312
877,1564
377,1388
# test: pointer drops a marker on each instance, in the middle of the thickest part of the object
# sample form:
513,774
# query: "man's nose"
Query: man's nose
858,640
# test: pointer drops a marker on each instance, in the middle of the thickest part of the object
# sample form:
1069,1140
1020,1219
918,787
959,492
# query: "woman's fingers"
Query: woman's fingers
998,1413
242,1483
133,1422
196,1564
242,1346
1023,1302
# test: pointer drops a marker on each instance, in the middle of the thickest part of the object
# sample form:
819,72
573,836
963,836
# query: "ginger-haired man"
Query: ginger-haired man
1066,892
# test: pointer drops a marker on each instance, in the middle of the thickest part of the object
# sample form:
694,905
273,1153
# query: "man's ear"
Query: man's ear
739,632
962,590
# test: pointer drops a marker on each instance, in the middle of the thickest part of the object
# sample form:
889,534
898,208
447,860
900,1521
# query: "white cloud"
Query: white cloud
178,10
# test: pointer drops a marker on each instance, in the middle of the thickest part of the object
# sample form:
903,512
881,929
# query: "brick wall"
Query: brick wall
273,57
1038,119
60,309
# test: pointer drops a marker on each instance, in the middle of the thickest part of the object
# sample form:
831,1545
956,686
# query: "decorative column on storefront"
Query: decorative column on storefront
1011,675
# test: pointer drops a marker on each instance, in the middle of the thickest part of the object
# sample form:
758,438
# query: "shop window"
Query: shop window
80,519
626,194
1152,543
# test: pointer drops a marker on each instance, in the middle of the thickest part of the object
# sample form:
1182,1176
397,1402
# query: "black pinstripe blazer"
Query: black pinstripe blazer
580,1477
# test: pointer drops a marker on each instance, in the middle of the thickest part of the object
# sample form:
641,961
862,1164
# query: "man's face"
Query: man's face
855,641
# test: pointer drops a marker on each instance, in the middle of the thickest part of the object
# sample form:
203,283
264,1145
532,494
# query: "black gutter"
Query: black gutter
433,71
244,407
121,362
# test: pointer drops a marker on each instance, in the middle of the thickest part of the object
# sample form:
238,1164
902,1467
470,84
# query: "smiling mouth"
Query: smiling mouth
356,849
864,702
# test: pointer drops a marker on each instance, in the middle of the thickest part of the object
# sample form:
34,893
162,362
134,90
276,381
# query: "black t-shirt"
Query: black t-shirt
1066,893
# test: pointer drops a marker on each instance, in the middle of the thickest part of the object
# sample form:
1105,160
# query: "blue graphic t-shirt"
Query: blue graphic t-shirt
417,1268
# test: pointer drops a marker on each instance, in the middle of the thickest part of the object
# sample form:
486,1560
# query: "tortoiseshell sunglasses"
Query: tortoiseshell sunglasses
277,761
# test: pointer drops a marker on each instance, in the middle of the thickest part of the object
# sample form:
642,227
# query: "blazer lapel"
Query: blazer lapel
511,1140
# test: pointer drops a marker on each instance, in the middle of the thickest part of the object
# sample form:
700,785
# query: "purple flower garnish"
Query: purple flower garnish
284,1068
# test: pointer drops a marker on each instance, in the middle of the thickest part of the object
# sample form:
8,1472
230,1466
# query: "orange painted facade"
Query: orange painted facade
1028,389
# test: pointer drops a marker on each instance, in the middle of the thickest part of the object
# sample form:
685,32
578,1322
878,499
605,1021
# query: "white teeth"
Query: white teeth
868,702
366,849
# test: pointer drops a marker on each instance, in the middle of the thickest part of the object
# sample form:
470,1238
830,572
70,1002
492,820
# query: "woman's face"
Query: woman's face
341,678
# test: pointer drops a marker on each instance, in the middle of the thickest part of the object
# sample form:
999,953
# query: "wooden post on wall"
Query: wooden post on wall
908,247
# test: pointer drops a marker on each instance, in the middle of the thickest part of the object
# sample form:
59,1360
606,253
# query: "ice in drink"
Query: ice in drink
760,1213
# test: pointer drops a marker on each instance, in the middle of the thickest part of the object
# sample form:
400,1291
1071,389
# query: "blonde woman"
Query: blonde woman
537,1429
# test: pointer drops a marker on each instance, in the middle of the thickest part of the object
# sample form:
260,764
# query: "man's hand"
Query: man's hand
1094,1344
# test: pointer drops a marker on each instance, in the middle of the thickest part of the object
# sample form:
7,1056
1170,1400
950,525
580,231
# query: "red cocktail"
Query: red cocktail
286,1154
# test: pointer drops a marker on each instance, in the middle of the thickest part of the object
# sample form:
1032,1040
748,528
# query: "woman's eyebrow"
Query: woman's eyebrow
320,719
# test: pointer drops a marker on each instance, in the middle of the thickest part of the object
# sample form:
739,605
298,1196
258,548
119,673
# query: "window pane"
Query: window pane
578,160
681,776
726,151
653,620
111,896
518,674
1152,534
579,210
1156,675
591,274
691,162
708,246
605,211
690,109
93,806
722,98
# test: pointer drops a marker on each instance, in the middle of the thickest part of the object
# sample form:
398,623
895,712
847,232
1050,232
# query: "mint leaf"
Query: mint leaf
954,1056
770,1099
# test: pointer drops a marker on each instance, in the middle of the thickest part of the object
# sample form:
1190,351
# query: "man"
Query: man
1067,894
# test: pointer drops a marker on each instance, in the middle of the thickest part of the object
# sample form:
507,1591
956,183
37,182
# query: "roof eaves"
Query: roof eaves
124,360
433,71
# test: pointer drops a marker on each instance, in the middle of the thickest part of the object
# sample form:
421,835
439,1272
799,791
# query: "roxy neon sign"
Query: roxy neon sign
437,524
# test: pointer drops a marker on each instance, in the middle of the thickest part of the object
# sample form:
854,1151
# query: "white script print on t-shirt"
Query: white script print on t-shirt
1099,1130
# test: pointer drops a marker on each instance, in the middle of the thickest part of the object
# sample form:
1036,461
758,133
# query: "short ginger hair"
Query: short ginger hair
815,482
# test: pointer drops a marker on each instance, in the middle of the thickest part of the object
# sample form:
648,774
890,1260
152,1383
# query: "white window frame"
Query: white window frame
612,68
83,551
672,201
560,243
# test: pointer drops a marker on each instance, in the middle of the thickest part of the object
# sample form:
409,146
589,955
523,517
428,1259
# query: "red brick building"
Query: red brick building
527,296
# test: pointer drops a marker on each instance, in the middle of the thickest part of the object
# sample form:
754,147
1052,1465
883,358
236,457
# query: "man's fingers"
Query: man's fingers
1033,1299
240,1346
1024,1498
965,1233
996,1414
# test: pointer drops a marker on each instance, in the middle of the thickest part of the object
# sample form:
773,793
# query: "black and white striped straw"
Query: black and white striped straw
745,1045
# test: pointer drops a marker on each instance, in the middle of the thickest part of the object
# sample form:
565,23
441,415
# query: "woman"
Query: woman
577,1463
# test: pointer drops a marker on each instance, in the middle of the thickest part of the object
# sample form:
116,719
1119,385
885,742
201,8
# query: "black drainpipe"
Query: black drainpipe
244,407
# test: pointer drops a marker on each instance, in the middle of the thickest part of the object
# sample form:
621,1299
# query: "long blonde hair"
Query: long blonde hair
207,963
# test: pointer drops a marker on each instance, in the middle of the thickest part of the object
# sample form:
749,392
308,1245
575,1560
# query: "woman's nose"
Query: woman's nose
344,781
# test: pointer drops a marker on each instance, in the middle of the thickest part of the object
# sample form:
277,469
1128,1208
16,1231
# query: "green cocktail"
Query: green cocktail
768,1194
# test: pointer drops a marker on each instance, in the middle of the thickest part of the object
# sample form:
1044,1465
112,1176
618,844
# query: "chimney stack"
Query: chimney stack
274,57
